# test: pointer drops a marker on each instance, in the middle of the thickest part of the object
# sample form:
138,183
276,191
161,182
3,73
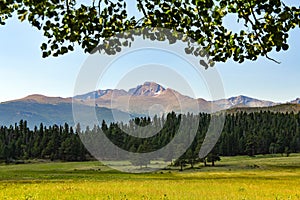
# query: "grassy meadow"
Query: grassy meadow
240,177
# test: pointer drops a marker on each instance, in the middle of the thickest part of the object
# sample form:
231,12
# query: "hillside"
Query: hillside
282,108
48,114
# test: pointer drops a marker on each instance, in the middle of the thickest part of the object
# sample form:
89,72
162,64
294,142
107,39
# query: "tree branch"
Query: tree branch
99,8
67,4
68,12
143,9
258,35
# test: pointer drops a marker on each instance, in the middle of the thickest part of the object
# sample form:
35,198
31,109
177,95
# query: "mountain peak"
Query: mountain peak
244,101
147,89
296,101
240,97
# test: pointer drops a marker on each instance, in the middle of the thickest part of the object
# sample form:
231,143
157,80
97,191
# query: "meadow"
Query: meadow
239,177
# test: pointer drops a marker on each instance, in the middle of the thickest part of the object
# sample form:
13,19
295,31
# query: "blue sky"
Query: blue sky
24,71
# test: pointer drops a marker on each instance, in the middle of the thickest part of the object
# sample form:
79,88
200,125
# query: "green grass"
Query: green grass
240,177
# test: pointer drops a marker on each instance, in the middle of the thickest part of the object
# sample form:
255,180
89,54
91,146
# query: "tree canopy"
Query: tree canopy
69,23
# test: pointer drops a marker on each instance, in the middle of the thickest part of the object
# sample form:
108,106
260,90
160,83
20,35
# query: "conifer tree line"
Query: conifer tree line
243,134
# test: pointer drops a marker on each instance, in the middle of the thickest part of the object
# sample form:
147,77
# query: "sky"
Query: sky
23,70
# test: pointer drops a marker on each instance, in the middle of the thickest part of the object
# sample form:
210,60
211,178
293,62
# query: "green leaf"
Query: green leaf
285,47
44,46
204,64
71,48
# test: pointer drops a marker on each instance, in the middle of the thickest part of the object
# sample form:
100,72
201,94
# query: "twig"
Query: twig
143,9
258,35
99,8
272,59
68,13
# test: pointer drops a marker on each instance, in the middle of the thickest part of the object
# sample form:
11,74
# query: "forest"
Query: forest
243,134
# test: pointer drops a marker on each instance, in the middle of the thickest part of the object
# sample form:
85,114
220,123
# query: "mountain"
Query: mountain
280,108
296,101
49,113
101,94
242,101
147,89
37,98
149,95
148,99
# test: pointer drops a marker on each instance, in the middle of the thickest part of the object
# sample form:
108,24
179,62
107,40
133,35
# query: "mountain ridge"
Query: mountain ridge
148,89
148,99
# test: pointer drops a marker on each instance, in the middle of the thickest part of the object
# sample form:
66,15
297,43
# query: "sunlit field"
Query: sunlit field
262,177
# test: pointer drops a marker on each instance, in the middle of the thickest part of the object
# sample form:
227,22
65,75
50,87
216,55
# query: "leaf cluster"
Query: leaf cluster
67,23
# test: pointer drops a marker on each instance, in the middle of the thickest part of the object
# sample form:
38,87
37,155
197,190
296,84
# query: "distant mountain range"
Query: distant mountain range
147,99
49,114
